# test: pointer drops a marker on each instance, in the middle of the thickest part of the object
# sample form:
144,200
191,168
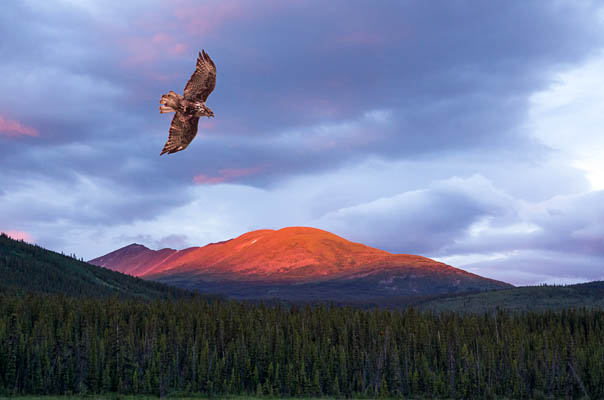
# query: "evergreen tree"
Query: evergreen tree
57,345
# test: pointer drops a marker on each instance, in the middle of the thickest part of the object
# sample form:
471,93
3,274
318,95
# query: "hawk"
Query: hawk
191,106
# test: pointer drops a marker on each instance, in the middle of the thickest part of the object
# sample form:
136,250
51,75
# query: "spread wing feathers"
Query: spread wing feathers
182,131
203,80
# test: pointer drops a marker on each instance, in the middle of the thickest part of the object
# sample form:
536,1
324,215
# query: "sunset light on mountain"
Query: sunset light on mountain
235,199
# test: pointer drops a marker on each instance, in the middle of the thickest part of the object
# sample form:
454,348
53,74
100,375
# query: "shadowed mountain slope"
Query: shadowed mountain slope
26,268
526,298
294,263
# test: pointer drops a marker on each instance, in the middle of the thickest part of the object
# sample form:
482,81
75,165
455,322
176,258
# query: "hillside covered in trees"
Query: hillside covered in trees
519,299
67,327
57,344
26,268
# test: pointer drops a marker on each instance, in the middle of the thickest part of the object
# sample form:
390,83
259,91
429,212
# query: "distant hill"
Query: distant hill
527,298
296,263
26,268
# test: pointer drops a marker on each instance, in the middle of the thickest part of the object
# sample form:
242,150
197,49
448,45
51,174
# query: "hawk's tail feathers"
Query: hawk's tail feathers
169,102
164,109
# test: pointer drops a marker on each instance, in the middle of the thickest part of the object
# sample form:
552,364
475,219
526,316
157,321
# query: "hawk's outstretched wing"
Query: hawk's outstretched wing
203,80
182,131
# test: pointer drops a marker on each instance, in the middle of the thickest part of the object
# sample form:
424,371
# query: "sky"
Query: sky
470,132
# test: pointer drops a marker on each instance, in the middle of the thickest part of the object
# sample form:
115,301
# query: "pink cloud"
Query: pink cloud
146,50
161,38
171,29
205,125
177,49
189,20
201,19
202,179
168,43
14,128
18,235
226,175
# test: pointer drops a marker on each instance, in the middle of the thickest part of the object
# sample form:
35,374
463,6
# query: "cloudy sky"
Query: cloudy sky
471,132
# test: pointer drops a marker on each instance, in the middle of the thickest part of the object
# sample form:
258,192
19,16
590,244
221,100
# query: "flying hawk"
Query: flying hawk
191,106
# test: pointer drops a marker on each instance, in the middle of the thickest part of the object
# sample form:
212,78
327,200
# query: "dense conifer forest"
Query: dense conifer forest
67,327
526,298
54,344
26,268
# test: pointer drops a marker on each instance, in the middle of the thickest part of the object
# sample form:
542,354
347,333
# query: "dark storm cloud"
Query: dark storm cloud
452,78
304,88
462,86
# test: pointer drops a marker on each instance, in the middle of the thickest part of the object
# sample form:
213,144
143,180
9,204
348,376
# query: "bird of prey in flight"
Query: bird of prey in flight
190,106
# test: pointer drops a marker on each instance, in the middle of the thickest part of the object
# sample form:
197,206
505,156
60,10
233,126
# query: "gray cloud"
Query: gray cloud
170,241
559,239
530,268
439,90
421,221
564,224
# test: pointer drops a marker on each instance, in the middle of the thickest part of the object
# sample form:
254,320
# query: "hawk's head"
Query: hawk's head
201,110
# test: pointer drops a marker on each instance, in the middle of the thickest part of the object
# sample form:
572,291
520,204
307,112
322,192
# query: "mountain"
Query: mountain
26,268
295,263
526,298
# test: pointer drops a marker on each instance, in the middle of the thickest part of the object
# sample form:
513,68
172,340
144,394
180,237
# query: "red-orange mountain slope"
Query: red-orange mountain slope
295,255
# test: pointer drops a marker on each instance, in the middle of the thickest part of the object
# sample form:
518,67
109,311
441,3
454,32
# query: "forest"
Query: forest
27,268
55,344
